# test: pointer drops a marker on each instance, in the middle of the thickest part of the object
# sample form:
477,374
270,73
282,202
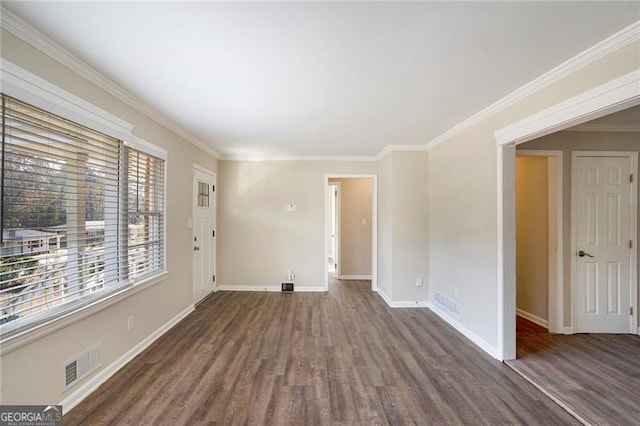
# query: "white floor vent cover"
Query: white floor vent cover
82,365
451,306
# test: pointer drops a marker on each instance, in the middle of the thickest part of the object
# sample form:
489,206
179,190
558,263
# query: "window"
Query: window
82,215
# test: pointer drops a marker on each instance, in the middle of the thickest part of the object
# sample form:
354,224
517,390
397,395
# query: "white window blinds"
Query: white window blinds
80,213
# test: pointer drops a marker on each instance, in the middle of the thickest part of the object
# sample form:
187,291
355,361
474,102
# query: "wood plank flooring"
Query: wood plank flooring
339,358
597,376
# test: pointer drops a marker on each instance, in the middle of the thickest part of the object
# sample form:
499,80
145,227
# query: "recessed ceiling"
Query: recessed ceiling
323,79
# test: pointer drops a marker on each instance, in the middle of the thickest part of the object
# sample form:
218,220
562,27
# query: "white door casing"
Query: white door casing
604,223
203,235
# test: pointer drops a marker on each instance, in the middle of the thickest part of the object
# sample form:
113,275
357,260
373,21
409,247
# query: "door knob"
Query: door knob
196,248
583,253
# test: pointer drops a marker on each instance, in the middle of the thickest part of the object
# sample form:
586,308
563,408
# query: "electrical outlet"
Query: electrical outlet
418,282
130,323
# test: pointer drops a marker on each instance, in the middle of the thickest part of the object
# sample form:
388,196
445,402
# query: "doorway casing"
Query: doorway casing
374,224
613,96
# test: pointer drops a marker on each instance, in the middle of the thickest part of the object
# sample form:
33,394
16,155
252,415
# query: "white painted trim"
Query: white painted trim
200,172
355,277
401,304
94,382
337,261
477,340
237,287
533,318
296,288
606,127
556,236
11,342
609,45
374,225
146,147
633,233
395,148
603,104
567,330
309,289
203,169
612,96
35,38
30,88
506,250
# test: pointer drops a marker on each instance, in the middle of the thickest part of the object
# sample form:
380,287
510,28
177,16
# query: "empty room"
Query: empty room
299,213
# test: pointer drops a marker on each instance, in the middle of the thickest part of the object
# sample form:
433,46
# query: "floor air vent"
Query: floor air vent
82,365
451,306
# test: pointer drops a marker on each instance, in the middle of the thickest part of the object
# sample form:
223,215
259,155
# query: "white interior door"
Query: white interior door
604,227
203,238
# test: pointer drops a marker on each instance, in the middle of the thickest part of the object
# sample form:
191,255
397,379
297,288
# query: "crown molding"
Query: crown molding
607,46
35,38
399,148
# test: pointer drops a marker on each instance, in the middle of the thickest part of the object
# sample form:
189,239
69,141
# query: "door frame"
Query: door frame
212,174
374,224
633,231
612,96
336,260
555,300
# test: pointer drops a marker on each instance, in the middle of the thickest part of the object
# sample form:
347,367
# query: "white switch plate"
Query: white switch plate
190,223
418,282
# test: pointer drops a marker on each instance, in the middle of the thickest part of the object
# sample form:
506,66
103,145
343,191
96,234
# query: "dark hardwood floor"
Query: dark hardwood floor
595,376
341,357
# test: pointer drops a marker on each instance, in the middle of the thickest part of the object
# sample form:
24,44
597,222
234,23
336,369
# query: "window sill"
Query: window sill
19,338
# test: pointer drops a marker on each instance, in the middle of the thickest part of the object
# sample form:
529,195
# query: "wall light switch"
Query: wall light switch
364,222
190,223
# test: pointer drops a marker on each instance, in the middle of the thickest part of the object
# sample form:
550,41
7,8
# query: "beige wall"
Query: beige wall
258,239
403,218
32,374
532,236
568,142
356,202
462,176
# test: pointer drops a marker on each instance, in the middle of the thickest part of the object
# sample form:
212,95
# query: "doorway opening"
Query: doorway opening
539,239
350,228
333,237
613,96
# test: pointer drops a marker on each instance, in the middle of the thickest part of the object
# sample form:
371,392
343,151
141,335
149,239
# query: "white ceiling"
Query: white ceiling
323,79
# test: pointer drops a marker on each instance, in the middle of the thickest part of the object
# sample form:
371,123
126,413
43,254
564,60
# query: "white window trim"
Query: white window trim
28,87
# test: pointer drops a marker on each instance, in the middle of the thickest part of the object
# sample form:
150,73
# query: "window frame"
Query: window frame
29,88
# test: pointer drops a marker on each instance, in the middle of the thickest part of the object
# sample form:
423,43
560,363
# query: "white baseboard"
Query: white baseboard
102,375
568,330
533,318
354,277
310,289
477,340
401,304
235,287
301,289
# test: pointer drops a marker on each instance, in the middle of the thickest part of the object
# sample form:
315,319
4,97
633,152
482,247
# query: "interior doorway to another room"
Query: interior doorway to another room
539,236
333,237
350,228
